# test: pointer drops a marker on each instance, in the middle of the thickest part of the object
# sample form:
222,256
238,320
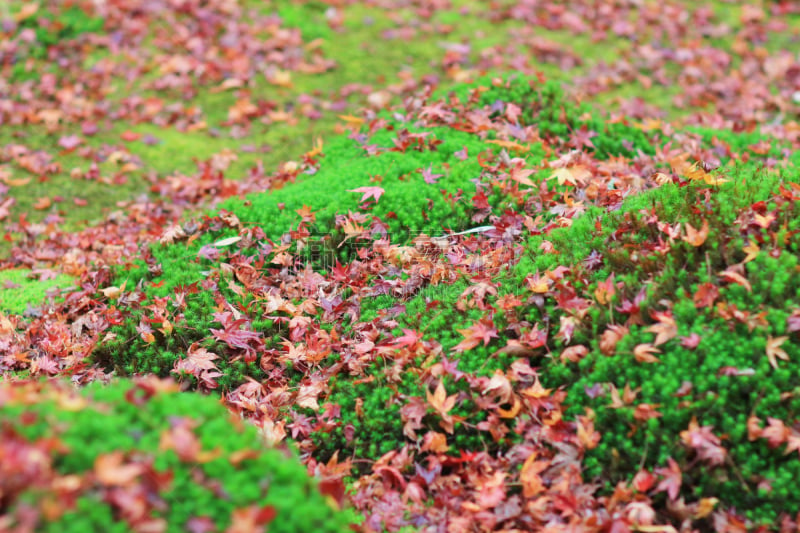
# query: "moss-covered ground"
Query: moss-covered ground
491,265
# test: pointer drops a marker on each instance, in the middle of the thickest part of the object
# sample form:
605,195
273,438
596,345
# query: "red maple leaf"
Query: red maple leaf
480,331
704,442
409,338
672,479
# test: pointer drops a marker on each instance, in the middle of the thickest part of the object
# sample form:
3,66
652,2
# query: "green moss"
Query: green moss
623,241
432,312
20,289
557,117
309,17
206,465
727,344
53,28
407,206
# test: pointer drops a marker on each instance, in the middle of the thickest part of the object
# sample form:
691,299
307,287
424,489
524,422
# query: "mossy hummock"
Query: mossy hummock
142,455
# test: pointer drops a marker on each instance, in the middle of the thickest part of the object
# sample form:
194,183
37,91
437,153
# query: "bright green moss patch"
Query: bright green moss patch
622,268
407,206
712,365
22,288
425,180
407,203
180,456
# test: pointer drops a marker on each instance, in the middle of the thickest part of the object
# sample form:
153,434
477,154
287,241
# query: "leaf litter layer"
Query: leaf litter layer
500,375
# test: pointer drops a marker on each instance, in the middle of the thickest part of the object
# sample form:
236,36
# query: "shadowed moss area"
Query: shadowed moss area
20,289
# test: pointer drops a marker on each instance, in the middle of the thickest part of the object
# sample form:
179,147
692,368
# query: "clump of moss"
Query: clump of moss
720,382
141,453
713,370
52,28
394,159
407,206
557,117
19,291
372,403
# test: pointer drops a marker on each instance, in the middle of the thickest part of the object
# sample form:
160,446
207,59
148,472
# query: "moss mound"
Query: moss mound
691,349
21,289
140,455
695,332
556,117
692,279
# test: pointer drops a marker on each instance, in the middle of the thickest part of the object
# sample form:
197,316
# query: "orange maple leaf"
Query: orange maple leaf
752,250
605,290
696,237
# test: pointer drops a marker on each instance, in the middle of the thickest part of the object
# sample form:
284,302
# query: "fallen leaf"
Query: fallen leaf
26,11
752,251
696,237
227,242
369,192
42,203
111,470
644,353
351,119
774,351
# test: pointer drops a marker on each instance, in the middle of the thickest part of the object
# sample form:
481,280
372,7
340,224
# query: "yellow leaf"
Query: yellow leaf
710,179
693,172
317,149
563,175
705,507
281,78
752,250
112,293
651,124
538,284
350,119
166,327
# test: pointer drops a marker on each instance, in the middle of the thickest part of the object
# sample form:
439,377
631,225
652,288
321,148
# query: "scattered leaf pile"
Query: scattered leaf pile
488,307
